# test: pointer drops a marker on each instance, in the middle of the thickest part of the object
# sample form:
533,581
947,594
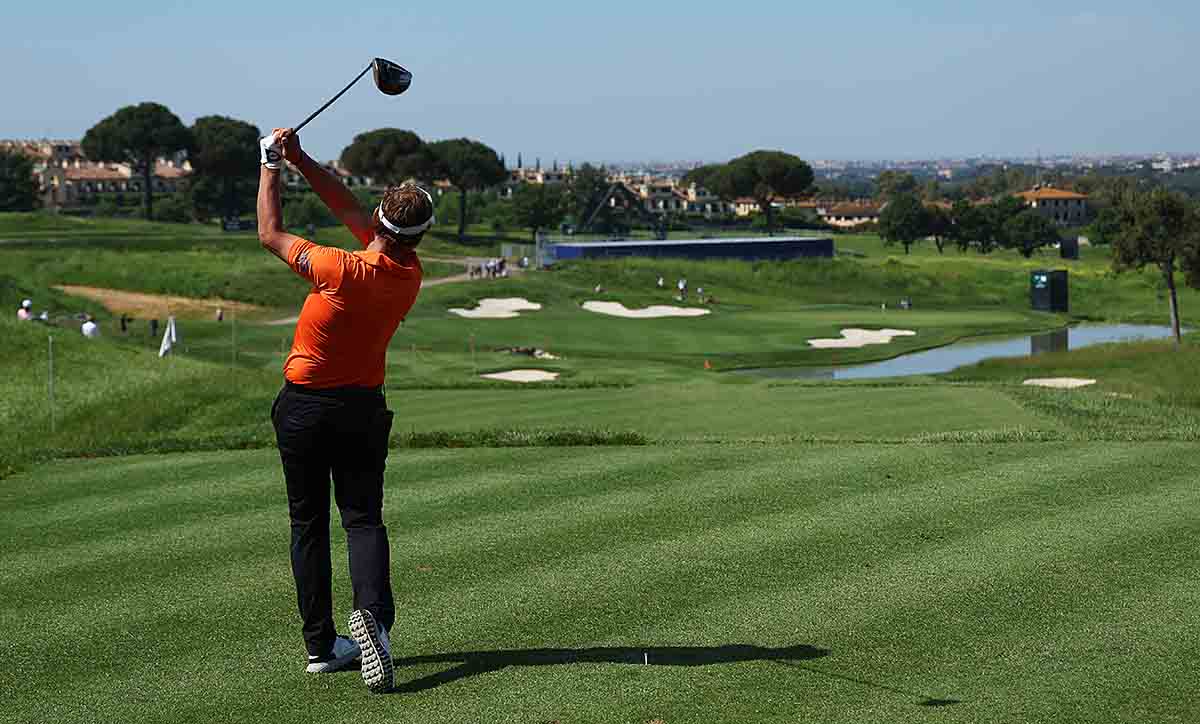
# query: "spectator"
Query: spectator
682,286
124,323
89,328
153,328
25,313
661,282
220,314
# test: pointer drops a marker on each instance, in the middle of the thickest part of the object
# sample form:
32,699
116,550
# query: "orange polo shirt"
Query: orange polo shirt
357,301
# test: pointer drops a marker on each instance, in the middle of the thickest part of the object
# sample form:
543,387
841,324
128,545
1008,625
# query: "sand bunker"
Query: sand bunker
492,308
617,309
852,338
522,376
1060,383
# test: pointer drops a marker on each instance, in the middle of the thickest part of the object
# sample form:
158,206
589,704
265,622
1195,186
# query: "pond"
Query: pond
944,359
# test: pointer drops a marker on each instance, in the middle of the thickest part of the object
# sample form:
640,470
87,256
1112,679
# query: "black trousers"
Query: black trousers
343,432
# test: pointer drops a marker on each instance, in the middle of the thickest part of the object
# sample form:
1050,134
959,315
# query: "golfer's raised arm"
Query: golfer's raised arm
270,216
331,190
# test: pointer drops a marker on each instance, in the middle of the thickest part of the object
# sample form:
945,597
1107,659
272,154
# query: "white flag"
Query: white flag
169,338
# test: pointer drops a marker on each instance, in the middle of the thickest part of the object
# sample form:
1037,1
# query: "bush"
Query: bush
107,206
173,209
367,198
307,209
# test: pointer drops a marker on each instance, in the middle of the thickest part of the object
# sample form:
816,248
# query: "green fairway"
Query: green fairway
700,411
952,583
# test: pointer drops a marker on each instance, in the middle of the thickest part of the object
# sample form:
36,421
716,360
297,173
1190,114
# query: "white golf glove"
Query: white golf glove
271,154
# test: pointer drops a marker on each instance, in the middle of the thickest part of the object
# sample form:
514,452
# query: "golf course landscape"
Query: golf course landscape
652,537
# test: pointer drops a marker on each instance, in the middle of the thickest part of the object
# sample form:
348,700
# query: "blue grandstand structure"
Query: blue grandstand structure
748,248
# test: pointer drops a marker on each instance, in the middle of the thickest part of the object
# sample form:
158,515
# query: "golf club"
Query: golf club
390,79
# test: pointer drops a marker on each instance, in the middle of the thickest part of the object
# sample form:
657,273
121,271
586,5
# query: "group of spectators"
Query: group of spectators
87,327
682,287
490,269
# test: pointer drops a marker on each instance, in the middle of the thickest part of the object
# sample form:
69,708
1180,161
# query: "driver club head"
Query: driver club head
390,78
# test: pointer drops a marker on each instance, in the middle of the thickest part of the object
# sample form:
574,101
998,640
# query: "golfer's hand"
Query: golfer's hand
289,140
270,153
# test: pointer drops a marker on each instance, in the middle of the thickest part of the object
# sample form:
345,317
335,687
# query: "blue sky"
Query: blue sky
617,80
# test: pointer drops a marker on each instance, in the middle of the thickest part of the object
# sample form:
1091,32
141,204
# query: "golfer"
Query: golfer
330,417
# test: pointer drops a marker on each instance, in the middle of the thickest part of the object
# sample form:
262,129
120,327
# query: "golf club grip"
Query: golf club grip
329,102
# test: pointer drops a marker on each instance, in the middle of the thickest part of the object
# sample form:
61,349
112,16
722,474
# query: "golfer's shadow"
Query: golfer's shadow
473,663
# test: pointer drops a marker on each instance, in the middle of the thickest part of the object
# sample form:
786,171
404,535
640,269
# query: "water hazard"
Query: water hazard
944,359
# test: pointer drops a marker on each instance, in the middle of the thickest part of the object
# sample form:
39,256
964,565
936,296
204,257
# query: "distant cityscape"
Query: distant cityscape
947,168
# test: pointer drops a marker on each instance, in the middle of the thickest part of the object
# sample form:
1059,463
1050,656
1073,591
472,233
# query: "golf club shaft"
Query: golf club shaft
331,100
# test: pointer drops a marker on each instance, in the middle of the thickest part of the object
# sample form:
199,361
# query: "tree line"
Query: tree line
1005,223
224,178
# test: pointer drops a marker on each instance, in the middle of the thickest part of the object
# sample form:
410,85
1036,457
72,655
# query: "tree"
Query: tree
225,163
971,225
1029,231
138,135
307,209
982,225
1105,228
538,206
587,194
1191,259
904,220
702,175
939,226
18,189
931,191
764,176
107,205
890,183
469,166
388,155
998,214
1158,228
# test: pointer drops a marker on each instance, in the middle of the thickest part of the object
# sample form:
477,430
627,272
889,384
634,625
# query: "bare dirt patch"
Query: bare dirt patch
147,306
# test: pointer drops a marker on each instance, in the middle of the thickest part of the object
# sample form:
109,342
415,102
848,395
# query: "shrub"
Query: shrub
174,209
307,209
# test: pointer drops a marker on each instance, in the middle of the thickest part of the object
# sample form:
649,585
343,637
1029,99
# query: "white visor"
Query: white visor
408,230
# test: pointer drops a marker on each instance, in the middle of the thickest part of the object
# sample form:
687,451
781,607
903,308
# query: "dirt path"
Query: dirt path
146,306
